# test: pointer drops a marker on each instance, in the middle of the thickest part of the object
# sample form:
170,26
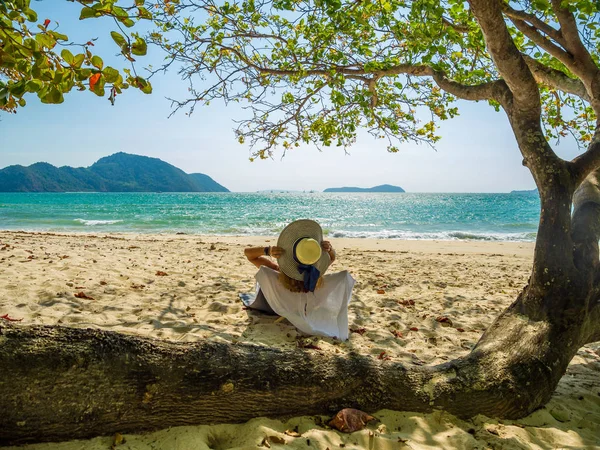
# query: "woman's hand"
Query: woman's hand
326,246
276,252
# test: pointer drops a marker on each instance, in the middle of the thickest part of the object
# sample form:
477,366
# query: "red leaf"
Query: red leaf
89,43
414,329
460,330
380,291
160,273
10,319
82,295
93,80
46,23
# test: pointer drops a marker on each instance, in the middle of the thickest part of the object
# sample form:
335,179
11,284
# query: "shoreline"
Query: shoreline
184,288
521,248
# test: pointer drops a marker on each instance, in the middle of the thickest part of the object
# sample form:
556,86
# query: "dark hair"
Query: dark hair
295,285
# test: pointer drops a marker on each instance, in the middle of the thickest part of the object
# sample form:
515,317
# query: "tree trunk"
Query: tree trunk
63,383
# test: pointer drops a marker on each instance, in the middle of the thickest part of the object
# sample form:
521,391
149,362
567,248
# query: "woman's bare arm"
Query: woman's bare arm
258,257
326,245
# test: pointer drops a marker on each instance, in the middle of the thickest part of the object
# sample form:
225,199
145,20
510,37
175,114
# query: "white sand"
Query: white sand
468,282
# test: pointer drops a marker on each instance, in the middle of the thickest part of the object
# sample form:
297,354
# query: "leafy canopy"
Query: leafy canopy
36,57
315,71
318,71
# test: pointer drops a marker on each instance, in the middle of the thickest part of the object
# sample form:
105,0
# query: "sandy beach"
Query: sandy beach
416,302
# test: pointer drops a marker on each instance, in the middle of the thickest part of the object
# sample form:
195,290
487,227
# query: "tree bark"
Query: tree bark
61,383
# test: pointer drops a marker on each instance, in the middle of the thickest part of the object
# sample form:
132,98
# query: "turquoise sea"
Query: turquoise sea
501,217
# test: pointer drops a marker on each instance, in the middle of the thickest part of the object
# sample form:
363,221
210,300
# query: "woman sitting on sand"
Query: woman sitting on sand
296,288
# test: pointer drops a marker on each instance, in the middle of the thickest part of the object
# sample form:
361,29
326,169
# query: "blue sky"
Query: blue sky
477,152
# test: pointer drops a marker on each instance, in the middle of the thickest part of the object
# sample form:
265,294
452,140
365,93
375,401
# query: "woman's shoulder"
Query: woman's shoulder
266,273
268,270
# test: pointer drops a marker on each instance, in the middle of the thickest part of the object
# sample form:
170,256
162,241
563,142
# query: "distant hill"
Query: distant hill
121,172
382,188
528,192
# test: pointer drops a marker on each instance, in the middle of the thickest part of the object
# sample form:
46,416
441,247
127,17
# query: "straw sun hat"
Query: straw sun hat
301,241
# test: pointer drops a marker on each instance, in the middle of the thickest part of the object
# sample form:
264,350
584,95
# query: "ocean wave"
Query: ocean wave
91,223
438,235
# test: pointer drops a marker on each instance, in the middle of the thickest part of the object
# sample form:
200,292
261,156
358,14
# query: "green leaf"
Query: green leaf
119,12
67,56
143,85
45,40
78,61
31,15
97,62
54,96
144,13
17,89
34,85
125,21
119,39
111,75
58,36
88,13
139,47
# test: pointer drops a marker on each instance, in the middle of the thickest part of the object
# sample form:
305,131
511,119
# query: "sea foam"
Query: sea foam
91,223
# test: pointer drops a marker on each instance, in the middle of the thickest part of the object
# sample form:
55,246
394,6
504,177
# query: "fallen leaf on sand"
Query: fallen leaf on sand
160,273
10,319
103,283
82,295
360,331
445,321
460,330
349,420
397,333
407,302
301,343
380,291
414,329
292,433
383,356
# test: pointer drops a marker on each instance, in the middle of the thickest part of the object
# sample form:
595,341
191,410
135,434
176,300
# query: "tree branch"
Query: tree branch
570,33
545,43
507,57
556,79
494,90
584,66
535,22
